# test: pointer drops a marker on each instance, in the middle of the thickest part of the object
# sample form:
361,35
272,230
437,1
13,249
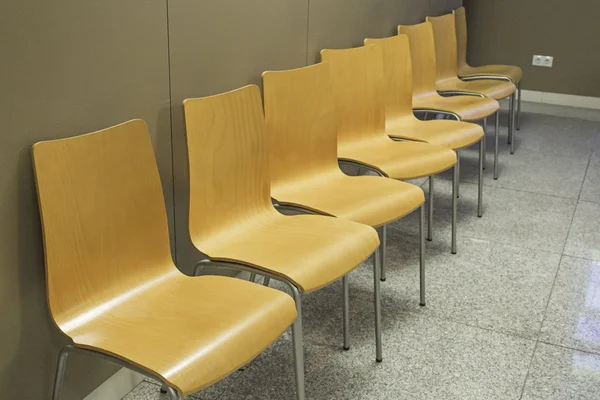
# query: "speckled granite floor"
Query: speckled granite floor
514,315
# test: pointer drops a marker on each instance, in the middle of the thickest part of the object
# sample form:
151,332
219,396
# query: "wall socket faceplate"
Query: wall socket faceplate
543,61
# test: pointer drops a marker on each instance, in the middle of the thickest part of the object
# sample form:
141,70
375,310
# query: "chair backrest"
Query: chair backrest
104,221
359,93
228,163
398,76
422,50
444,33
460,20
300,118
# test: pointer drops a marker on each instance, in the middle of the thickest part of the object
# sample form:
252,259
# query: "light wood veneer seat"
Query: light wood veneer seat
424,72
300,116
358,86
400,120
512,72
467,72
232,217
112,286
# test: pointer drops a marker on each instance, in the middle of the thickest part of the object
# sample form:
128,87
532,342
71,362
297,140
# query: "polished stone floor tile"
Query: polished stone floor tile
511,217
563,374
584,235
424,358
149,391
591,184
573,315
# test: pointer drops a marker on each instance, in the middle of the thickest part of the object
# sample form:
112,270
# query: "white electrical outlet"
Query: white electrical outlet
543,61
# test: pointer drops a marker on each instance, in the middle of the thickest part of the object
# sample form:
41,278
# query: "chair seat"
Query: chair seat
451,134
309,250
493,89
400,160
369,200
190,331
468,108
514,73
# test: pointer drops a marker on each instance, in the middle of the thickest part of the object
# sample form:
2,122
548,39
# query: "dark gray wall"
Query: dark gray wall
512,31
70,67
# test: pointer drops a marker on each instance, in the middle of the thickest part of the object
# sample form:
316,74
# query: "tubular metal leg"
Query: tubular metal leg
430,208
252,277
377,300
496,145
484,133
519,107
480,192
298,344
266,281
512,124
346,297
60,373
382,231
422,254
454,207
173,395
457,172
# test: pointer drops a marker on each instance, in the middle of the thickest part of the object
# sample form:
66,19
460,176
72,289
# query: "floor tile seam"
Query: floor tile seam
549,298
562,346
580,257
498,186
528,370
441,317
585,175
557,253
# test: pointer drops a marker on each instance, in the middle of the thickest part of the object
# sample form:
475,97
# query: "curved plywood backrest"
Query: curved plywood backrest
228,163
398,75
300,117
103,218
422,50
444,33
360,97
460,20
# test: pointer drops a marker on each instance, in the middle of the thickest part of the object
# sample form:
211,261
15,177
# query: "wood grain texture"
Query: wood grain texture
231,214
425,95
400,121
514,73
358,77
111,283
447,80
300,117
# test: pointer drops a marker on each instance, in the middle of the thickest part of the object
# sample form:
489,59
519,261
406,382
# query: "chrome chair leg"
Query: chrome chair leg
173,395
496,136
454,207
61,368
266,281
484,133
457,171
346,300
377,300
512,123
298,344
422,254
519,107
430,208
252,277
382,231
480,188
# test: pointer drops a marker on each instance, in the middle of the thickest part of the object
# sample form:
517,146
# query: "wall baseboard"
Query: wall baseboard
561,99
117,386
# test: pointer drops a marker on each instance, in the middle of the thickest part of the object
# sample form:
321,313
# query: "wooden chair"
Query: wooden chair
232,218
358,82
511,73
427,99
112,286
448,82
402,124
305,174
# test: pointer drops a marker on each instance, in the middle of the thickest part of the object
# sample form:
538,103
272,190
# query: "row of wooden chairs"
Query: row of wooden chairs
113,288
